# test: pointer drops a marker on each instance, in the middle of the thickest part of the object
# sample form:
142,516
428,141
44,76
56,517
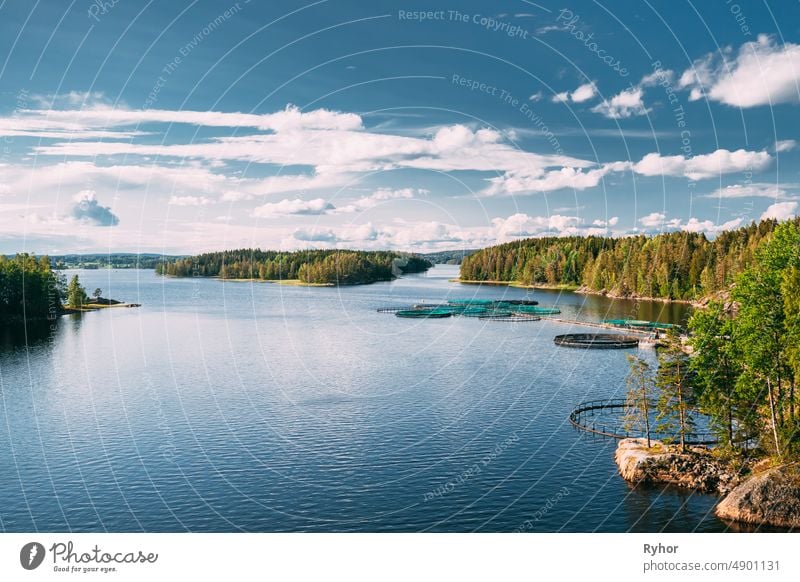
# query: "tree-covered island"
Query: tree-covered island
314,267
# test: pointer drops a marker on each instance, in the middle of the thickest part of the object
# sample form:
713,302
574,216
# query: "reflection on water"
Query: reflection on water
31,333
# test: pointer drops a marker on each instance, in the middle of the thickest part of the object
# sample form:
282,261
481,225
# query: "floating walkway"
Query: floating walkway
597,341
584,417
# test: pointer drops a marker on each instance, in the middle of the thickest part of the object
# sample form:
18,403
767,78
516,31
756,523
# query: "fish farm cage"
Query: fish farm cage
597,341
641,324
513,310
605,418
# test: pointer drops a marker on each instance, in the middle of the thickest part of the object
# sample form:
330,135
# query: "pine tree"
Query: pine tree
639,395
673,382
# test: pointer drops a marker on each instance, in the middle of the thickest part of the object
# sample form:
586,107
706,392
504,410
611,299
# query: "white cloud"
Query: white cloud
525,183
708,227
785,145
289,119
288,207
190,201
657,221
583,93
653,220
780,211
626,104
379,197
310,235
703,166
763,72
754,190
536,96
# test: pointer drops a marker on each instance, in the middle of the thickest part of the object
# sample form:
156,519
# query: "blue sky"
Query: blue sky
181,127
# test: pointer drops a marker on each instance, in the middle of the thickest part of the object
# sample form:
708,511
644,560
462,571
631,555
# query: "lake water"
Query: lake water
261,407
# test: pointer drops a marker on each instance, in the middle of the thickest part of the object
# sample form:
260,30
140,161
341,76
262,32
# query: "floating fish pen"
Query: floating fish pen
606,418
423,313
488,313
471,301
521,302
537,310
514,317
598,341
641,324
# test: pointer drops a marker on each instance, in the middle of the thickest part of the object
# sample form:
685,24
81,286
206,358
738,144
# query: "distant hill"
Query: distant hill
448,257
110,260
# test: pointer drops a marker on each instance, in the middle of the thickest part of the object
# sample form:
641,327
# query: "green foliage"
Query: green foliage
76,294
677,265
29,288
747,364
641,388
335,267
716,364
675,393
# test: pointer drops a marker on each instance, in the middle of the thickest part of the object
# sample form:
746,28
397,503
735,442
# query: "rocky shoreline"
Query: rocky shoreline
695,469
757,497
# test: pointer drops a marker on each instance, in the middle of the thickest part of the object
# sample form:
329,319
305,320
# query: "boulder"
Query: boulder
768,498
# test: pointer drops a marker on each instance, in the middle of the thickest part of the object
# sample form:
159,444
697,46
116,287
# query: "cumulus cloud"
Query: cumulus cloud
763,72
657,221
309,235
785,145
626,104
703,166
753,190
288,207
190,201
88,210
583,93
780,211
378,197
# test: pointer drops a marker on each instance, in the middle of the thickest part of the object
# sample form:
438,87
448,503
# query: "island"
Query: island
312,267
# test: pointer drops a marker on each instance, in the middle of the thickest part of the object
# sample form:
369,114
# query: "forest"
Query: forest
320,267
675,265
744,366
29,288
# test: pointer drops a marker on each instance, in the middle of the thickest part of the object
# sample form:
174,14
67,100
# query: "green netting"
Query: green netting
536,310
471,301
424,313
639,323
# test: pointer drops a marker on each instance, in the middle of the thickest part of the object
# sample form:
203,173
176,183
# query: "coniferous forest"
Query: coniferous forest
29,288
676,265
318,267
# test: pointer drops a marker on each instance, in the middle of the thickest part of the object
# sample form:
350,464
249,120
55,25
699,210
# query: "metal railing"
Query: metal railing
586,422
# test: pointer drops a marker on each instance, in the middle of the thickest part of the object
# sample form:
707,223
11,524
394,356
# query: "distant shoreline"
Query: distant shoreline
517,284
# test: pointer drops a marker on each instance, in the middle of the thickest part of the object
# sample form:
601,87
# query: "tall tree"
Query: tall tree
76,294
673,382
638,399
